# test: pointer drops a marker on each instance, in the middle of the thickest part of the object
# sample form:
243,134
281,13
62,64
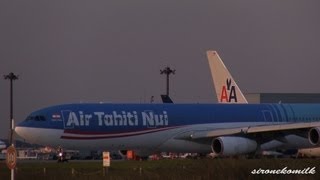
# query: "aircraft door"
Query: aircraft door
66,116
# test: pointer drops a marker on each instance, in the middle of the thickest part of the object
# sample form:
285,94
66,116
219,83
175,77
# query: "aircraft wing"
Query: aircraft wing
193,135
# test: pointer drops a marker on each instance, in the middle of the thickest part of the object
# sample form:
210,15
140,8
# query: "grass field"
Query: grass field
162,169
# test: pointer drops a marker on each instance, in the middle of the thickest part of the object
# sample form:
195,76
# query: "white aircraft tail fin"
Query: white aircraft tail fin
226,88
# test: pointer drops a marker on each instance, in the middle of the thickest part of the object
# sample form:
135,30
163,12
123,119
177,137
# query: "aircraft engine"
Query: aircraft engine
143,154
314,136
123,153
228,145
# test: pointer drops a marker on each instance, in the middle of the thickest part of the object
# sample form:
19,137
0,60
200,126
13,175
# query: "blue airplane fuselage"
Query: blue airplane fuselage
151,127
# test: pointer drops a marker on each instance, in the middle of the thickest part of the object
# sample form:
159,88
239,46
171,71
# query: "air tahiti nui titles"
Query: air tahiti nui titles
115,118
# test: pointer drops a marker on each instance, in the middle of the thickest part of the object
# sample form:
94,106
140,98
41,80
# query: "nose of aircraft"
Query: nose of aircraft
20,131
25,133
36,135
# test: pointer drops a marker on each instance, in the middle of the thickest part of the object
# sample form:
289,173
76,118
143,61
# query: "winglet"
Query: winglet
226,88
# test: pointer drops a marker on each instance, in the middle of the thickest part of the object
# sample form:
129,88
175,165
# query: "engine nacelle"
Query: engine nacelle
140,153
230,145
314,136
123,153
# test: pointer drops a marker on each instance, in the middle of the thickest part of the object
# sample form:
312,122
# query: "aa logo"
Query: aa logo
228,93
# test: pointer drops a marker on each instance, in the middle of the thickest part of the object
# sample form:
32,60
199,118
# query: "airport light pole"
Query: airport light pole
167,71
12,77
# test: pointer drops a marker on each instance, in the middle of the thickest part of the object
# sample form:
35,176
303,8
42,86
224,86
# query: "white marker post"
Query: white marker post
106,161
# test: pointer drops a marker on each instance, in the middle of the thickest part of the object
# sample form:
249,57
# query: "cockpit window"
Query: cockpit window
36,118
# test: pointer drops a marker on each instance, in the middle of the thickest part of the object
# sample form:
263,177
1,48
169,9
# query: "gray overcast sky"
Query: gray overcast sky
112,51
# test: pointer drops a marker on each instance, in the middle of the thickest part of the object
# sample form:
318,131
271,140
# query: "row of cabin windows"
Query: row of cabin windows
305,118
